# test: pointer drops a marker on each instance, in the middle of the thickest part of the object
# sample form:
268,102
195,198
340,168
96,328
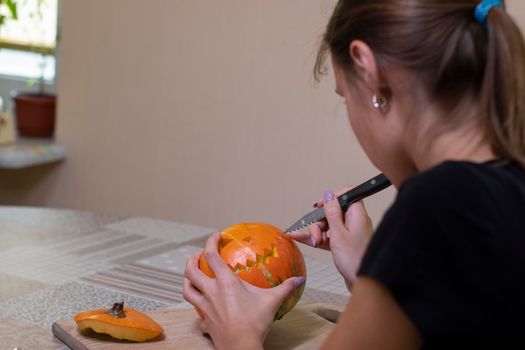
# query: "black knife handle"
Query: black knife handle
364,190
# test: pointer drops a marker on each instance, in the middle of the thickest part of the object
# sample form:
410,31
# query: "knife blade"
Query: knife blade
367,188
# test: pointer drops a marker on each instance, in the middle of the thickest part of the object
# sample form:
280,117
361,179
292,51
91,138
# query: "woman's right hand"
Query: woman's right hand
345,235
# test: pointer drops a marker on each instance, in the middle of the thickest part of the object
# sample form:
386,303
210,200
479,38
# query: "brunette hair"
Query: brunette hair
454,56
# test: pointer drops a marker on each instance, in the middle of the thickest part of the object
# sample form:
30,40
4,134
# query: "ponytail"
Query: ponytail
503,90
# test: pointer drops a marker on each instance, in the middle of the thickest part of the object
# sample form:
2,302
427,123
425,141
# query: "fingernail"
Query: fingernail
313,241
299,281
328,195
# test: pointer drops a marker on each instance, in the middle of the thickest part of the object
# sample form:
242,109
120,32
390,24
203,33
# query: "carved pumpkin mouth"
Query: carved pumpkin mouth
261,255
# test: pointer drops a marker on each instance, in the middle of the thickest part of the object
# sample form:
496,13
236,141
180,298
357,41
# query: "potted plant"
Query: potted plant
35,110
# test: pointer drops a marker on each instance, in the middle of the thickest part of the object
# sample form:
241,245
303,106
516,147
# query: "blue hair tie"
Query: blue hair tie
483,9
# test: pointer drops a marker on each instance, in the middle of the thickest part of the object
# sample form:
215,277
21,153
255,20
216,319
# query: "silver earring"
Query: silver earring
378,102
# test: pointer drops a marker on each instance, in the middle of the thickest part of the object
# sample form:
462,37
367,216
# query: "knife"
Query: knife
368,188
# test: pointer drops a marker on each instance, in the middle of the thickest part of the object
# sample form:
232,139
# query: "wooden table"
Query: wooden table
56,263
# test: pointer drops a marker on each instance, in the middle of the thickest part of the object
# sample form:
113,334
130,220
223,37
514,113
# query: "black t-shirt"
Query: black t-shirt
451,250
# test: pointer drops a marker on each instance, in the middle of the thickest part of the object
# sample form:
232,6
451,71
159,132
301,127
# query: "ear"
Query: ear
366,65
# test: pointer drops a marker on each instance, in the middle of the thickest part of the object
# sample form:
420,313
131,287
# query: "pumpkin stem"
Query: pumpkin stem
117,310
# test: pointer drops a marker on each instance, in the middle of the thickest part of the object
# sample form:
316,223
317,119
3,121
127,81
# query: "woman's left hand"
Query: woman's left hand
237,315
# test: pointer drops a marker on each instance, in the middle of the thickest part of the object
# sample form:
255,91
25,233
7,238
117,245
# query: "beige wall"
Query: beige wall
195,110
517,9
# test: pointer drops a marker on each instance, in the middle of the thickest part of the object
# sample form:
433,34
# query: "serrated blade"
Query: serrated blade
315,215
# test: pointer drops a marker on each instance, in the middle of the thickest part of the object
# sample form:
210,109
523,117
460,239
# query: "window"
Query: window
27,42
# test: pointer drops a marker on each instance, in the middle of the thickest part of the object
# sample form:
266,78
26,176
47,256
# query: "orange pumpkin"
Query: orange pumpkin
120,322
261,255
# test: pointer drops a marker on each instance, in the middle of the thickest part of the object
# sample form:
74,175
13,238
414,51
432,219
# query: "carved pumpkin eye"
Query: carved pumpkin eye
120,322
262,255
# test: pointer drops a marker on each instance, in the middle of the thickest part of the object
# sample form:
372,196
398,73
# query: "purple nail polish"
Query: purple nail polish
328,195
300,281
313,241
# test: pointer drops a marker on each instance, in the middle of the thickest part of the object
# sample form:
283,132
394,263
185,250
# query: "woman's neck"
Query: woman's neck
462,144
426,153
426,142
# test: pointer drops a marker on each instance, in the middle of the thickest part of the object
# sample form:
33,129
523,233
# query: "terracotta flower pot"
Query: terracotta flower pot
35,114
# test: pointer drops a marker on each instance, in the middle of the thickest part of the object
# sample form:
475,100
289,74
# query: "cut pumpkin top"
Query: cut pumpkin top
133,319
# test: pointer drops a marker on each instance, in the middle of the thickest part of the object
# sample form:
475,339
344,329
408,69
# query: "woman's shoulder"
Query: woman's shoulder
449,228
452,179
494,191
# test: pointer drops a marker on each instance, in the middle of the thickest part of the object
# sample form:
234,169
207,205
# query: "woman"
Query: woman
435,93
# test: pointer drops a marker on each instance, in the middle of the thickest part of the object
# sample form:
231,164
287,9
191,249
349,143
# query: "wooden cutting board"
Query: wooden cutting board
305,327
